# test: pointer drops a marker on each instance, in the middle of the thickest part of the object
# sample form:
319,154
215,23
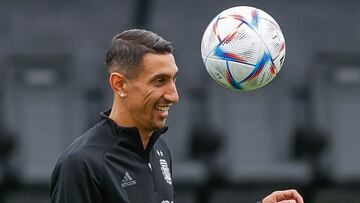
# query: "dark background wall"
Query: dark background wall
301,130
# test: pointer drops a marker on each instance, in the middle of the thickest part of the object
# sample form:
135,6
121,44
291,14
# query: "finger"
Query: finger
288,201
296,196
288,195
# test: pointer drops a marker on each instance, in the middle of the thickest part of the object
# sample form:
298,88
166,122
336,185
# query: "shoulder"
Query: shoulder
88,150
161,144
162,149
79,170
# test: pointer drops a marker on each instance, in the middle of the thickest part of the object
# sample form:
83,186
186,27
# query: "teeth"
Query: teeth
162,108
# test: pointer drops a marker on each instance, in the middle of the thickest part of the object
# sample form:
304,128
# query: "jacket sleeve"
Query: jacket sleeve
74,181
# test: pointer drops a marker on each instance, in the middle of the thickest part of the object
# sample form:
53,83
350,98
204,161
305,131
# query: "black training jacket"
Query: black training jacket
108,164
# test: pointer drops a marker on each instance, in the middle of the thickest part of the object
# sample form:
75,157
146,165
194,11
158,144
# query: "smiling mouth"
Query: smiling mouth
163,108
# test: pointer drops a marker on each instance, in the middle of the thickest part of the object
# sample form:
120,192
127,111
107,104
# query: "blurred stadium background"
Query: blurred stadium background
300,131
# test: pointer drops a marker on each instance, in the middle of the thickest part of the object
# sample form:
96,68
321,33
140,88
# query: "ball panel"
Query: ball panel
279,61
272,37
215,68
242,47
262,74
246,13
265,16
239,71
224,27
209,40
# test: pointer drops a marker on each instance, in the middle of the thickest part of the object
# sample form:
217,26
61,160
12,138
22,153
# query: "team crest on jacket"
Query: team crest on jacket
165,171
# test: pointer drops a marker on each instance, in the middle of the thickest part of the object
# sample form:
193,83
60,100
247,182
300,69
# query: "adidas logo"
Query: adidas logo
127,180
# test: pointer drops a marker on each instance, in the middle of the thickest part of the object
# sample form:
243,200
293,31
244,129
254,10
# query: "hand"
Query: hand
284,196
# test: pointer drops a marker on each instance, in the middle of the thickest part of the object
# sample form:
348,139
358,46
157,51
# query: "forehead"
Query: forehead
155,64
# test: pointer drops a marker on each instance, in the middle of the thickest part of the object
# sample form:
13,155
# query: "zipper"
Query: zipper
150,168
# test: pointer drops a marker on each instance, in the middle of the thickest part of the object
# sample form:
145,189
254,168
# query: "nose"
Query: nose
171,94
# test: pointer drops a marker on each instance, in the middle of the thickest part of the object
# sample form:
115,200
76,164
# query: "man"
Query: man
122,159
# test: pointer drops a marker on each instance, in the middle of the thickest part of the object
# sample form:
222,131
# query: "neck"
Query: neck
121,118
145,137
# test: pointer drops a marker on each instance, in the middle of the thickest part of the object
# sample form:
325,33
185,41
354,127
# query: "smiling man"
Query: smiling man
123,159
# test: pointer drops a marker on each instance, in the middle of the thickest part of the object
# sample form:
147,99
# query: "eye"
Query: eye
174,79
159,81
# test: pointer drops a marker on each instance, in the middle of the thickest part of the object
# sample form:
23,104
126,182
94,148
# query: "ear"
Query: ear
117,82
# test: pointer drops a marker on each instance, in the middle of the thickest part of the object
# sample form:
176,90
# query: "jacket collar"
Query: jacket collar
132,136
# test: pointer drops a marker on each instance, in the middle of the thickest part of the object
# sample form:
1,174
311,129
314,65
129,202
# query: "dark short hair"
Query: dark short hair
129,47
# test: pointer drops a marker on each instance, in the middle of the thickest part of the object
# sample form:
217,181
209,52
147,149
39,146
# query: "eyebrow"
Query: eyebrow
164,75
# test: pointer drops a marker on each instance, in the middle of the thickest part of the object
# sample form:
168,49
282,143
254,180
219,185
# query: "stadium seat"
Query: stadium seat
336,102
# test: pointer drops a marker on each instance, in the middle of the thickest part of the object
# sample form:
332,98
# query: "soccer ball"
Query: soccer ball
243,48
